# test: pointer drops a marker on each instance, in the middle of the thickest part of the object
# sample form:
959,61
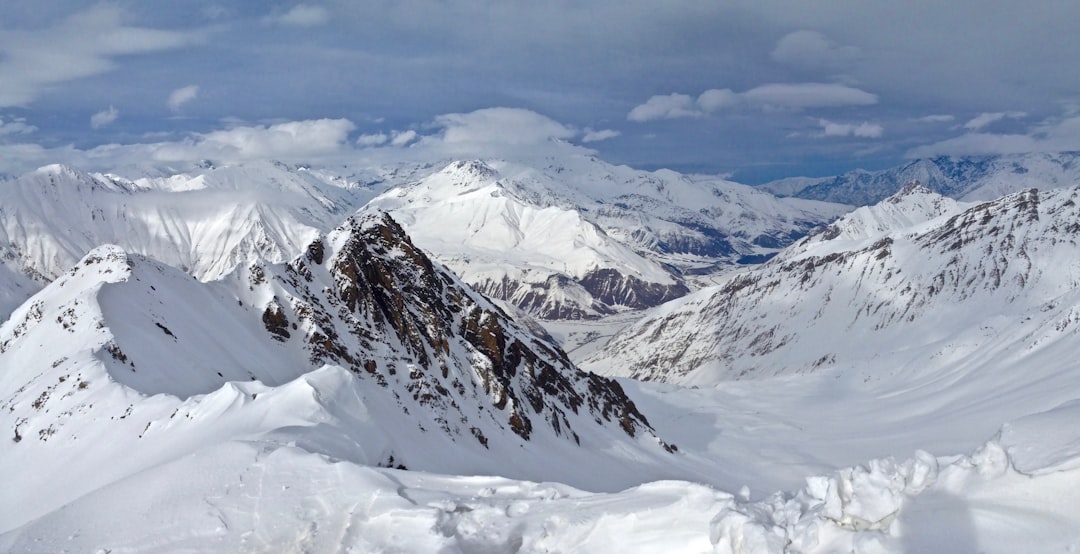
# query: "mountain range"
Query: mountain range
589,238
264,357
915,283
978,178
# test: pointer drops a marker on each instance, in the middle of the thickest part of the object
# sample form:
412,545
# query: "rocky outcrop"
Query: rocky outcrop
365,297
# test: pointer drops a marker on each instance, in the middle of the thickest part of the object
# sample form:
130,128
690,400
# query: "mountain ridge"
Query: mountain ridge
900,299
976,178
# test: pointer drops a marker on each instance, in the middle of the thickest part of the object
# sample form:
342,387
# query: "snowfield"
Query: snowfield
299,380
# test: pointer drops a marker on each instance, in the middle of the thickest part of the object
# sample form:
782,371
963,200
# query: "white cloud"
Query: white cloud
714,100
301,15
934,118
591,135
863,130
181,96
771,97
82,45
798,96
104,117
1054,136
404,137
16,126
294,140
487,133
509,126
986,118
813,50
670,106
376,139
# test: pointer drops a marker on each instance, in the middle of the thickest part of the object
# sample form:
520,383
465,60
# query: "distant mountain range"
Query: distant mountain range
580,238
968,178
573,238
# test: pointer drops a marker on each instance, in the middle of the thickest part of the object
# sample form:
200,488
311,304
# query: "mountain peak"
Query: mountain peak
106,260
475,169
911,189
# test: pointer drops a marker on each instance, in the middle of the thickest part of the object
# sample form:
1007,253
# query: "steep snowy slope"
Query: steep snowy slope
975,178
995,280
912,205
684,220
206,222
525,245
580,238
359,349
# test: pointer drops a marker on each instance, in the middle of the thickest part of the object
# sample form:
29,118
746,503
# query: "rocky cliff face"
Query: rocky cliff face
366,298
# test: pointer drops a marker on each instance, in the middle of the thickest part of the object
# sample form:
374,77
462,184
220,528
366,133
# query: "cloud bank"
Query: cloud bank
770,97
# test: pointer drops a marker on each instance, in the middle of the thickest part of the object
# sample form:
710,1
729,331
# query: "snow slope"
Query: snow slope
206,222
992,282
359,349
266,495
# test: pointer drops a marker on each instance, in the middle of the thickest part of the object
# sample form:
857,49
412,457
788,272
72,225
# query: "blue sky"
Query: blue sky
754,89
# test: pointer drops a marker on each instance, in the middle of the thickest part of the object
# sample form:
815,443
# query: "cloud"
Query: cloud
301,15
305,141
487,133
986,118
181,96
812,50
83,45
1053,136
771,97
717,99
509,126
404,137
16,126
799,96
294,140
863,130
376,139
671,106
591,135
935,118
104,117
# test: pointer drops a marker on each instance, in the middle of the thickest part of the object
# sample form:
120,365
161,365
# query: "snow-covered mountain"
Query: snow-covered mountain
360,348
580,238
964,178
273,408
569,238
910,285
206,221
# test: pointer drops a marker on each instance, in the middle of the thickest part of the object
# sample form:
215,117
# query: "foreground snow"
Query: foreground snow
264,495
